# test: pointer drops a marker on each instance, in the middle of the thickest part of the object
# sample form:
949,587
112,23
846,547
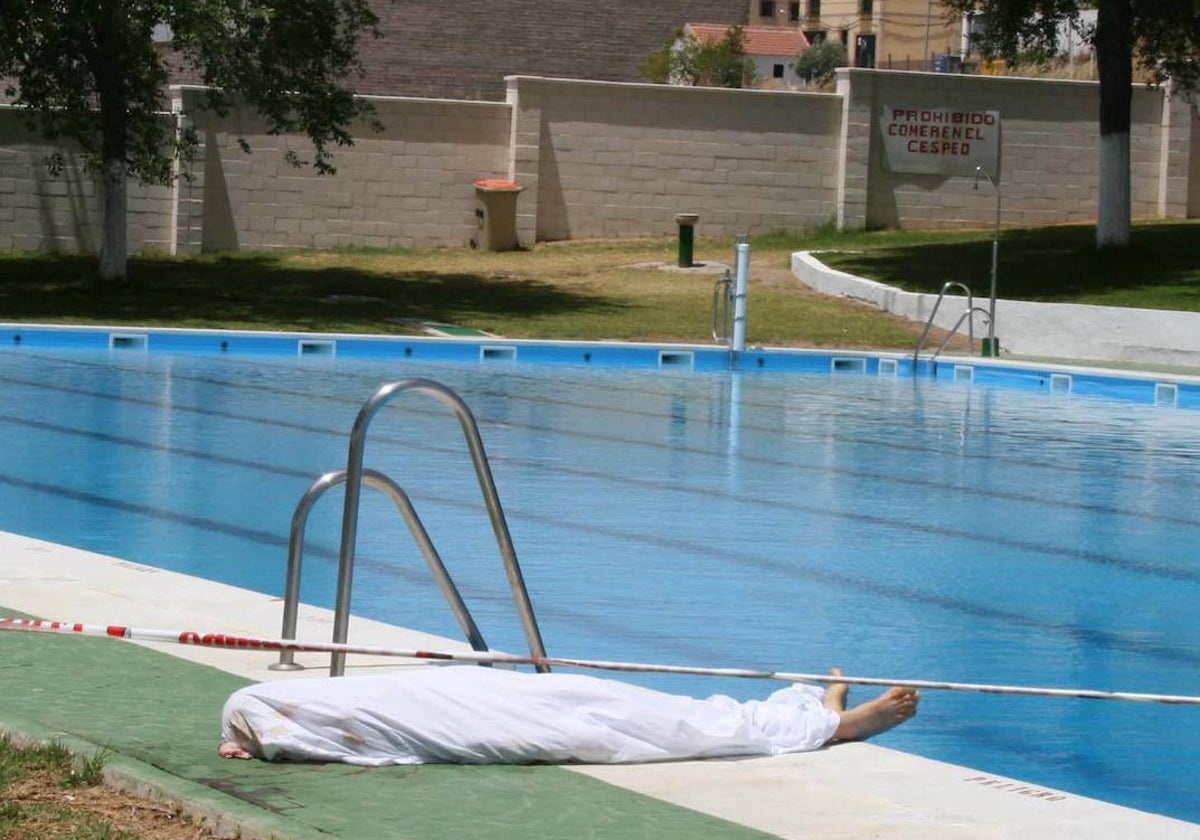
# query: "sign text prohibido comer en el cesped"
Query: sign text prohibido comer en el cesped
940,141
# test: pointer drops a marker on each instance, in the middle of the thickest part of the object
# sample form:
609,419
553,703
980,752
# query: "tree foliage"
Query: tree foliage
686,60
817,63
88,71
1160,36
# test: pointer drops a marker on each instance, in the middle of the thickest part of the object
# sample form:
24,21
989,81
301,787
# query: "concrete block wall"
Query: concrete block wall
602,159
1049,156
44,212
1192,126
410,185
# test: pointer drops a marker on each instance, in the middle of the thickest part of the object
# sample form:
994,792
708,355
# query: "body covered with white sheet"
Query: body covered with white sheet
476,715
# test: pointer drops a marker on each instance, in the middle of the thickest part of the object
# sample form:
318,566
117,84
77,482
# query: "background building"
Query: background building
465,49
898,34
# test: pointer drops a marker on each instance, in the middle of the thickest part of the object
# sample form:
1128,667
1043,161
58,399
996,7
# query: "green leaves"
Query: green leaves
89,71
689,61
818,63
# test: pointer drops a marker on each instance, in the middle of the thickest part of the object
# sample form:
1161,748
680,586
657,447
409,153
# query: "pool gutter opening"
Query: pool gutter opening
1071,381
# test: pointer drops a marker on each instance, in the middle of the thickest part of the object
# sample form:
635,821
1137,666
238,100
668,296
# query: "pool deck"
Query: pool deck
154,710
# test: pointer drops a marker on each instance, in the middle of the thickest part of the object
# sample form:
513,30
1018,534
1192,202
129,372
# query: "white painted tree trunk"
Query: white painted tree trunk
115,247
1113,220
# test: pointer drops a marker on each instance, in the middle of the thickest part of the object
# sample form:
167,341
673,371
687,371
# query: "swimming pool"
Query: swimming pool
900,527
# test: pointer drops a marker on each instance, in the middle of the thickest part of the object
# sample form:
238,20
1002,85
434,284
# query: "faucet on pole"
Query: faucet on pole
991,345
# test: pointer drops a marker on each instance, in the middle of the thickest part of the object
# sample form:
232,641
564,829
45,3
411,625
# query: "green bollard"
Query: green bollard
687,235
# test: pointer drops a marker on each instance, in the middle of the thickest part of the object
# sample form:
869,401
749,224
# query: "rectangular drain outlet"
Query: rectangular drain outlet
676,358
963,373
844,365
497,354
127,341
1166,394
316,348
1060,383
888,367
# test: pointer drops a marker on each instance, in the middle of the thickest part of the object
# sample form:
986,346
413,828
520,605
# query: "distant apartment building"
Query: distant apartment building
890,34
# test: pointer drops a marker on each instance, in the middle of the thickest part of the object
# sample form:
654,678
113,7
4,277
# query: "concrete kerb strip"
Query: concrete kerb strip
224,816
1097,334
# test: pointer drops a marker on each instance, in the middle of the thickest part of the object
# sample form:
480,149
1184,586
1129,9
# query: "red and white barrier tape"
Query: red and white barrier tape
233,642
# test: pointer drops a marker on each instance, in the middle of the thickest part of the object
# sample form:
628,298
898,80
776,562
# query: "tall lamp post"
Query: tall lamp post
991,346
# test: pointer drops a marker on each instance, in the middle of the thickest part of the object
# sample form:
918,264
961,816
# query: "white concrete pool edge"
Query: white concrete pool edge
1092,334
849,791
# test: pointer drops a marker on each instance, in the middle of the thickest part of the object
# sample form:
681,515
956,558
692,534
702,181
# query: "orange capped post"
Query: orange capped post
496,214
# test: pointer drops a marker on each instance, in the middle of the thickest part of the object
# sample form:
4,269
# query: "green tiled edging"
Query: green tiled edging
158,718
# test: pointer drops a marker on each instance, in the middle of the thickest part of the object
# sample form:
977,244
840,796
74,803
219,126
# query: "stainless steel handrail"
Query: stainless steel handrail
354,480
721,307
967,316
291,598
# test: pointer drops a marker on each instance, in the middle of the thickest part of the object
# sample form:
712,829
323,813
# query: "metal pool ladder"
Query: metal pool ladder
354,476
967,315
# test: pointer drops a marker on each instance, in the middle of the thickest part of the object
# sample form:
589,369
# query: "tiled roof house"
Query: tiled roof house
772,49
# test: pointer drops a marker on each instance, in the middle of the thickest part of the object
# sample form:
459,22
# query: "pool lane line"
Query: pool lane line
890,445
987,493
902,523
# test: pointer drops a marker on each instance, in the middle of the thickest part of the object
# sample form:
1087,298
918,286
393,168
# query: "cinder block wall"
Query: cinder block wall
1049,155
410,185
602,159
63,213
1193,192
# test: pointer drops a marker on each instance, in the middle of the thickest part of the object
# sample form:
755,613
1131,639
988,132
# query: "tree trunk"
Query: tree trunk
114,98
1114,53
115,247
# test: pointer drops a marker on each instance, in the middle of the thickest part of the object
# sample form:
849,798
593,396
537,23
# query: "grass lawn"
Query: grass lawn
600,289
1160,269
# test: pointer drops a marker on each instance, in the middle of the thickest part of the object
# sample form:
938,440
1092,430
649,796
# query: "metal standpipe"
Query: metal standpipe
291,598
740,291
354,481
992,344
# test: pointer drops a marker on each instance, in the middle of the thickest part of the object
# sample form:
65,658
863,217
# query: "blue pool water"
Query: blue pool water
898,527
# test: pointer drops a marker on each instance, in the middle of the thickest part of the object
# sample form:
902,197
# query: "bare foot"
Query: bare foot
867,720
835,693
231,749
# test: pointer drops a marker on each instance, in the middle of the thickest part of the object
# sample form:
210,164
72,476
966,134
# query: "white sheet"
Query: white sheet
474,715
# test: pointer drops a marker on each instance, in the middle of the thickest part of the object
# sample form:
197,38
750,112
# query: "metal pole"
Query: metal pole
995,257
231,642
928,22
739,295
992,349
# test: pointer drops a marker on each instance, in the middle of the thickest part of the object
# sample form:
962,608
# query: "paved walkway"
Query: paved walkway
154,710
